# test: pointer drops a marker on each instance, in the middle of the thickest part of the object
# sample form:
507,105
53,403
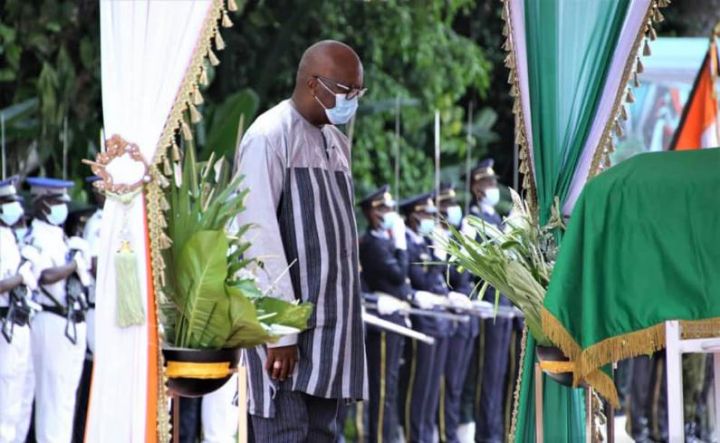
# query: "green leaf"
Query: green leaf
294,315
201,270
222,134
245,328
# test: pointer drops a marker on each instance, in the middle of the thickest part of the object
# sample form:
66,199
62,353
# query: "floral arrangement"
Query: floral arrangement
516,260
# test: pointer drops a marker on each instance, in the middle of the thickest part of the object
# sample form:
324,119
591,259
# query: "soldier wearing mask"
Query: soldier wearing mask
15,351
58,332
424,364
460,344
384,264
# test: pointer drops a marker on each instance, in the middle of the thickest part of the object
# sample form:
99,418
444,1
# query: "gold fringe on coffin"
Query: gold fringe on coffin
187,95
643,342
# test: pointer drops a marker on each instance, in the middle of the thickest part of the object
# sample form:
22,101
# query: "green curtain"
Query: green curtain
570,44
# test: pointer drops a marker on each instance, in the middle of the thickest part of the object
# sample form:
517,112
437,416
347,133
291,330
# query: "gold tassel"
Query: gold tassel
516,106
162,181
197,97
506,44
630,98
652,33
195,116
219,42
508,60
213,59
659,17
623,112
611,146
511,78
231,5
636,82
513,91
618,129
226,22
187,133
663,3
203,76
175,152
646,48
505,30
166,166
504,14
639,68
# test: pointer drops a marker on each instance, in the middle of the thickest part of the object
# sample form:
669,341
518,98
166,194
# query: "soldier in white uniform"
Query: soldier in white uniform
14,316
58,332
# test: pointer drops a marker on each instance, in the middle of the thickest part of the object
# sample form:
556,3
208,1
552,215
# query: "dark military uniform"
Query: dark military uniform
460,344
384,270
424,364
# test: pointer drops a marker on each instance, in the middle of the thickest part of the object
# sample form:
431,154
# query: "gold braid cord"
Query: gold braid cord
188,96
601,156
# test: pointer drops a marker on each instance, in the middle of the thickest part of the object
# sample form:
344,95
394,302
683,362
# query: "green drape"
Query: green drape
570,44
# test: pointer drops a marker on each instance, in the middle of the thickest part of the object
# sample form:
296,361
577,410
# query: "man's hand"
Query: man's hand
281,361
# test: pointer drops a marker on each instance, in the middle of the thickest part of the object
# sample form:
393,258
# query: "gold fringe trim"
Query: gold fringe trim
525,160
155,196
601,157
219,42
232,6
642,342
518,383
213,58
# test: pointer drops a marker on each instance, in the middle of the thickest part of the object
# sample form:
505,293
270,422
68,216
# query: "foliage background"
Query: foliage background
431,55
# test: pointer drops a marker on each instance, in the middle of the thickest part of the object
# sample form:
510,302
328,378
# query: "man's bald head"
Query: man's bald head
334,63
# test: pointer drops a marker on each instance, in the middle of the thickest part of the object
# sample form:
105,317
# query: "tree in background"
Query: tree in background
50,84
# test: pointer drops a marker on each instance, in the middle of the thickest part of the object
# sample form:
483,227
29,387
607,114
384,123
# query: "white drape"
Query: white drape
146,48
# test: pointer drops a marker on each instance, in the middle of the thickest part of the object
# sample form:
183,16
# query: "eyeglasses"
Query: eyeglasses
350,92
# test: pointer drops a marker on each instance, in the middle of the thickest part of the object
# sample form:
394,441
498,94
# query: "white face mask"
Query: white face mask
389,219
492,197
427,226
58,214
343,110
454,215
10,213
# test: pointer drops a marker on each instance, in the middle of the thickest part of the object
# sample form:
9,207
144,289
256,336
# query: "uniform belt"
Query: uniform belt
79,317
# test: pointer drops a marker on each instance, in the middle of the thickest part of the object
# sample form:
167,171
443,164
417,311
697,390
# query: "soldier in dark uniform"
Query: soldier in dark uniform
424,364
384,264
460,344
492,355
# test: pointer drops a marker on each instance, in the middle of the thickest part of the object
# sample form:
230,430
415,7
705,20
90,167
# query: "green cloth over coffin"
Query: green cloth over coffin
642,247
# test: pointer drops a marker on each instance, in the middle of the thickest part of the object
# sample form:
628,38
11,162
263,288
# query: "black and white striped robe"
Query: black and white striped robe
301,203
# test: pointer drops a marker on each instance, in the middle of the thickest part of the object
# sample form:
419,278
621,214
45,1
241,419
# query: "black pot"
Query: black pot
552,353
197,387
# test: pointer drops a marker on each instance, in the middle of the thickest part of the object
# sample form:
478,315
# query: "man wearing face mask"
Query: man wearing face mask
296,163
460,344
58,331
424,364
384,263
15,352
493,344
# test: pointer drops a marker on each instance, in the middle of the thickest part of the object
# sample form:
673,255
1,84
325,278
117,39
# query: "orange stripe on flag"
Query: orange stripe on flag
698,125
152,367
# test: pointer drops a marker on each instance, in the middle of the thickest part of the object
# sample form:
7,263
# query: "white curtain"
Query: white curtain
146,49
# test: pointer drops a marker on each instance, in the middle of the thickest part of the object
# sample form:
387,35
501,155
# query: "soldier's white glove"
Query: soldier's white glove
82,269
31,253
79,244
425,300
459,300
388,305
398,233
28,278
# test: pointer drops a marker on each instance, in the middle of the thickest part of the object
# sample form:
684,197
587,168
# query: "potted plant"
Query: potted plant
516,260
213,305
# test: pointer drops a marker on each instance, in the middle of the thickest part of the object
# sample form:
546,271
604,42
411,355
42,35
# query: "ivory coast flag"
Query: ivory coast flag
698,127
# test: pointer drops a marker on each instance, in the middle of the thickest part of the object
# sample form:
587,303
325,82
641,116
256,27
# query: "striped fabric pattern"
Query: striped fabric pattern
319,238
